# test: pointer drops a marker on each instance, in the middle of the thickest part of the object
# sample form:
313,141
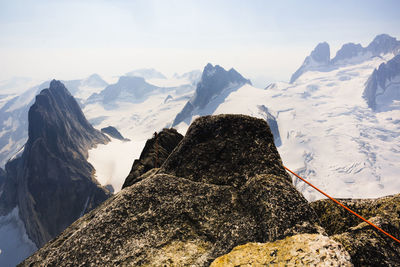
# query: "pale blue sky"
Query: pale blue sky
264,40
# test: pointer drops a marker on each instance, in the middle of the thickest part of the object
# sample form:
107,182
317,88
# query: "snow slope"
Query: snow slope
113,161
329,135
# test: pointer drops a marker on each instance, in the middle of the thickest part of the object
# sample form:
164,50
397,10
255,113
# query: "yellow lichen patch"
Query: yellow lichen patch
298,250
179,253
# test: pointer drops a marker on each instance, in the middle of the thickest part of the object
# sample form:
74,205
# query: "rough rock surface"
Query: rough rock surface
51,182
197,214
155,152
297,250
226,149
114,133
366,246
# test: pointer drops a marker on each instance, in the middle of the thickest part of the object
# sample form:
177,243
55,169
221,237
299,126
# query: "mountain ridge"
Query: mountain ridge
349,53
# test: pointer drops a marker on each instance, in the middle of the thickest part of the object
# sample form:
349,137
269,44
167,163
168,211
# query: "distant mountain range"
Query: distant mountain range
350,53
336,123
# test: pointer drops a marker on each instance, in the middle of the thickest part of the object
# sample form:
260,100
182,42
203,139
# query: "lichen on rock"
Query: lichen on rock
366,245
297,250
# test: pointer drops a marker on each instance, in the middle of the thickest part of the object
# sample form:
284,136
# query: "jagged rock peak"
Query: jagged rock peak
380,92
383,44
219,72
114,133
155,152
52,183
319,57
57,117
348,51
193,218
214,81
321,53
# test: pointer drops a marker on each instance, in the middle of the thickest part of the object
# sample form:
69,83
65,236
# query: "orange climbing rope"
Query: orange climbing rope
343,206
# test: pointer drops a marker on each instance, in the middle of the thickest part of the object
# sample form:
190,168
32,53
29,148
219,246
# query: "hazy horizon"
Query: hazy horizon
265,41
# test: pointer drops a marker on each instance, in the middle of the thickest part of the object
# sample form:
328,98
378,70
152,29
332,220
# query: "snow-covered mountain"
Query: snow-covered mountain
382,90
327,131
156,108
337,123
348,54
137,109
128,89
329,134
318,59
14,111
146,74
215,84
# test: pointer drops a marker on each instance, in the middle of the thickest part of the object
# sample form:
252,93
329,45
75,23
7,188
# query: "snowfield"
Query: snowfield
329,135
135,121
113,161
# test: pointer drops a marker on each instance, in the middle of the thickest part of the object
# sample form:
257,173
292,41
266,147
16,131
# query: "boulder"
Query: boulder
297,250
155,152
366,245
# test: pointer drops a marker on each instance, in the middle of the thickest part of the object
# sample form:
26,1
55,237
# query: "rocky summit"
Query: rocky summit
223,198
223,186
